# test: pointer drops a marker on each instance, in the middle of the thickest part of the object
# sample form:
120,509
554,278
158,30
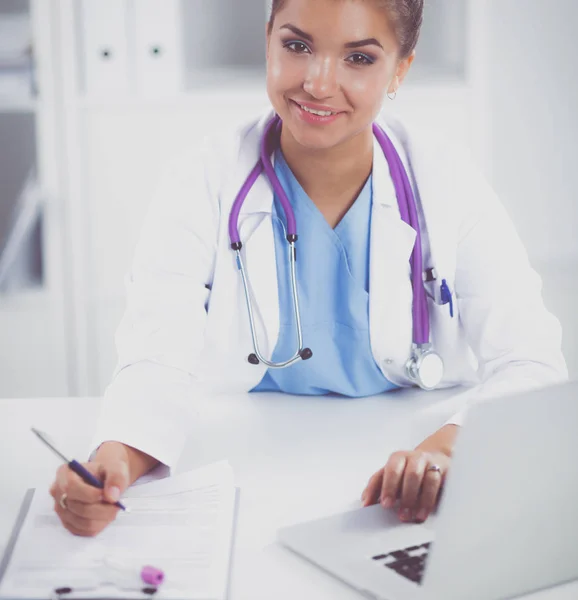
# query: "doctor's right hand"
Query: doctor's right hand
85,510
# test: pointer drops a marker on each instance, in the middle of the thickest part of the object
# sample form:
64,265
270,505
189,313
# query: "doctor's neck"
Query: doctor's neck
332,175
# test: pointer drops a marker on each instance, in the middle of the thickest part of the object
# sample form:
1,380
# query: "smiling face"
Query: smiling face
337,58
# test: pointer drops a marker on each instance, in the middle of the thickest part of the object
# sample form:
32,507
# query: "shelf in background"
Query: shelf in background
14,7
18,105
208,56
23,301
198,83
33,357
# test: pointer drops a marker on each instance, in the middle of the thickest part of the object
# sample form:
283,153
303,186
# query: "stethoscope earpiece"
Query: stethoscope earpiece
305,354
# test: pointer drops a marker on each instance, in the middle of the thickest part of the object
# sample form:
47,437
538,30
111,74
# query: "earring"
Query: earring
394,95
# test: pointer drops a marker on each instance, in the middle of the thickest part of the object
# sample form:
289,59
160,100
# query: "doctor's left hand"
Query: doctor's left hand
413,477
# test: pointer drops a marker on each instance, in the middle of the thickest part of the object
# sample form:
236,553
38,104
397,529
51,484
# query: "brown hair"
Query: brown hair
406,17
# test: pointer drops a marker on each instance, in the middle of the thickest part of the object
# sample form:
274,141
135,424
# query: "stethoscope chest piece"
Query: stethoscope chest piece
425,367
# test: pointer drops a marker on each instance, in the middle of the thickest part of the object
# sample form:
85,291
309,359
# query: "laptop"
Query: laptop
507,523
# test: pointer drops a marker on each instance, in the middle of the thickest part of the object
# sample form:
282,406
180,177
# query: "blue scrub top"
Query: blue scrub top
333,286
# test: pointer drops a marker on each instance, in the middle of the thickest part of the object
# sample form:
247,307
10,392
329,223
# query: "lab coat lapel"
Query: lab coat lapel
390,300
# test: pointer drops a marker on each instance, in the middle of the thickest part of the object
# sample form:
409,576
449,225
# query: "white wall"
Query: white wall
533,106
532,101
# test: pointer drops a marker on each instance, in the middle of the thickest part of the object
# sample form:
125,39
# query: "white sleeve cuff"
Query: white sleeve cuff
514,379
149,407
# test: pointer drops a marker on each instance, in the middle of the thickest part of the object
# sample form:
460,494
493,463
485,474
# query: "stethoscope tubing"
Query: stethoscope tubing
272,133
297,356
408,213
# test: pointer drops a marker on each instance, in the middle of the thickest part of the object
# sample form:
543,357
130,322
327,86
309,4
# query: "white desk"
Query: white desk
295,458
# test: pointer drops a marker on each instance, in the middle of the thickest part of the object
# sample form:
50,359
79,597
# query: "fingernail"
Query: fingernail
422,514
387,502
114,494
363,497
405,514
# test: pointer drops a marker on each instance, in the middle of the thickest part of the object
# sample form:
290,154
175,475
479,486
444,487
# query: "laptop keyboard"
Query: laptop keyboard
409,562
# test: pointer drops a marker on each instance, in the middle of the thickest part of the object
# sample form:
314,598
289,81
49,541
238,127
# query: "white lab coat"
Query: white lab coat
185,334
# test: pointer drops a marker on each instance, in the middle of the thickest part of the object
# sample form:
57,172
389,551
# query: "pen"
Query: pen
74,465
62,592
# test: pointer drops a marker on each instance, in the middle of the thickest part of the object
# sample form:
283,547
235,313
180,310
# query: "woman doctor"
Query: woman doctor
187,328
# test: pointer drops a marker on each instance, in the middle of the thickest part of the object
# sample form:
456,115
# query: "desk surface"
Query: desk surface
295,458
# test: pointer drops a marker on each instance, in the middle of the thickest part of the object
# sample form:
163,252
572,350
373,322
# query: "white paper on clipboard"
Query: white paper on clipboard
183,525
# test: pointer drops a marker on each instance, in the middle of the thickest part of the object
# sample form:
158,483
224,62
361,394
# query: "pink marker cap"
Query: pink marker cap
152,575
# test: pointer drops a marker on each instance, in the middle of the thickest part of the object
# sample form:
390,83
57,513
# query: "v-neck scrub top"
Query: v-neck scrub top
333,286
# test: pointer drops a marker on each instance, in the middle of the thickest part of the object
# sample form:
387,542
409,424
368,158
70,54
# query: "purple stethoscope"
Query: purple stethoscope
425,367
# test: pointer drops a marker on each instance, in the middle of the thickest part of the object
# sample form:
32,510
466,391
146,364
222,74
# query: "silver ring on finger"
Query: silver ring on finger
434,469
62,501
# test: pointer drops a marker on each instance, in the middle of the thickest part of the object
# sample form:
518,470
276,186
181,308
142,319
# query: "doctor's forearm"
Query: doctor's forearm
138,462
442,440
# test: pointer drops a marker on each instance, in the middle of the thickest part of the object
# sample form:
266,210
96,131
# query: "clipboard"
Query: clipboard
52,595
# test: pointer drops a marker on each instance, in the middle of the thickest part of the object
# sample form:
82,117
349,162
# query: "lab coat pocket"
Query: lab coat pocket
439,291
445,335
440,295
442,310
